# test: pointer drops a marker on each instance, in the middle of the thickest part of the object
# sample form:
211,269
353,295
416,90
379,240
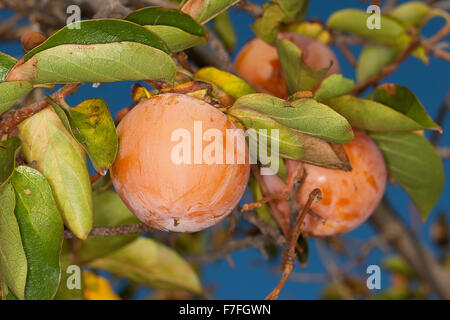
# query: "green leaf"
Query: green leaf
297,75
415,164
333,86
69,277
304,115
354,21
370,115
225,31
415,12
268,26
178,30
403,100
148,262
41,228
109,62
13,262
290,59
60,158
12,91
6,63
227,82
205,10
373,59
109,210
92,126
292,7
8,151
288,143
101,31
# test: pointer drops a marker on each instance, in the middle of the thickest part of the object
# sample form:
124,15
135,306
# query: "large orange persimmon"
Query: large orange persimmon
348,198
174,188
258,62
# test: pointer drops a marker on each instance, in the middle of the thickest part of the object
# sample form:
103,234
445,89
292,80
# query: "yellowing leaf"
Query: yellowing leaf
92,126
97,288
109,210
229,83
148,262
58,156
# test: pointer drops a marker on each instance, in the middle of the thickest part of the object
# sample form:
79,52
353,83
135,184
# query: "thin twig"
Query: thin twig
418,257
113,231
290,250
265,229
252,9
229,247
333,270
10,119
281,221
444,152
220,53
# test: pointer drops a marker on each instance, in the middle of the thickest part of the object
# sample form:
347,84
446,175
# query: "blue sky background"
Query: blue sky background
252,277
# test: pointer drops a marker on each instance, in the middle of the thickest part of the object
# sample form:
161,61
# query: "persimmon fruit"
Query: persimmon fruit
348,198
258,62
166,194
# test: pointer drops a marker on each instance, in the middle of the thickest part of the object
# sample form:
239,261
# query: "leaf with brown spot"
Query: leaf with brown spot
92,126
402,99
321,153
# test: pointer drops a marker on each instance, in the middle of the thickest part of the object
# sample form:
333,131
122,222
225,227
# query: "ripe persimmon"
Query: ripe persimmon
348,198
258,62
162,189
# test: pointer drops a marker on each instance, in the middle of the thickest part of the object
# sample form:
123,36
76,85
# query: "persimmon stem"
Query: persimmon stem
289,254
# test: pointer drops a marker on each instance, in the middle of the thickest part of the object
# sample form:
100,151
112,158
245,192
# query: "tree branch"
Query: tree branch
422,262
230,246
11,118
113,231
